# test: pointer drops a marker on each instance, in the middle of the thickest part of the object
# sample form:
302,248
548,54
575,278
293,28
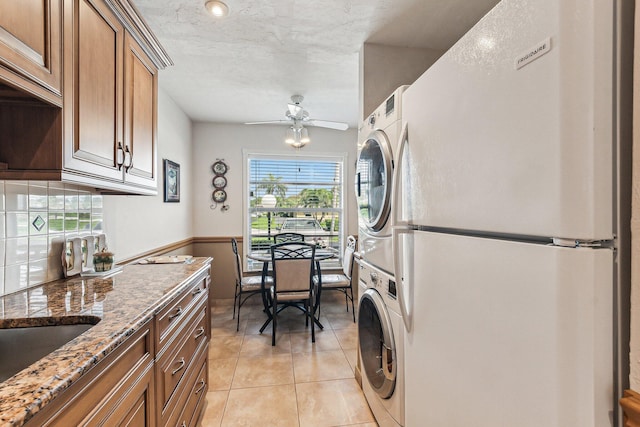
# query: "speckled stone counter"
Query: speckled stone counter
121,304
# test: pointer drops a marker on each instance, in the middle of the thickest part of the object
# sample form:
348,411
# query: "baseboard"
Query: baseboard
630,404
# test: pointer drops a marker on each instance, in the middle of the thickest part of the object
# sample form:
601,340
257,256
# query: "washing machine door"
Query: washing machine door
373,181
377,345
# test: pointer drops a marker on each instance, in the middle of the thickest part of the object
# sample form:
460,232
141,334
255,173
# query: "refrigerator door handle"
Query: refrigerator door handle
401,281
400,227
396,195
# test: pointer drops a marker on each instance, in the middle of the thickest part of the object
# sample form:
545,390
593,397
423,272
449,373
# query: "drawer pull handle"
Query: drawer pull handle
119,156
202,384
128,154
179,368
176,314
196,292
199,333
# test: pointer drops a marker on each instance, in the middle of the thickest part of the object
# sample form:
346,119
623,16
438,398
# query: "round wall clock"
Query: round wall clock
219,181
219,196
219,167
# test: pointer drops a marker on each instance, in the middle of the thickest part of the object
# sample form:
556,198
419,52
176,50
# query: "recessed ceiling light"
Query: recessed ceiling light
217,8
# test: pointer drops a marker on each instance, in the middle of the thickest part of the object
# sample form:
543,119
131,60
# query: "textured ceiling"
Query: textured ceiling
246,67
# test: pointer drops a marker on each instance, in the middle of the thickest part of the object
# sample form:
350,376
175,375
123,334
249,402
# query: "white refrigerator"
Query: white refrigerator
511,224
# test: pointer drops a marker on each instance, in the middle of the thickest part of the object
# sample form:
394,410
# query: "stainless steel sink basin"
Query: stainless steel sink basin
20,347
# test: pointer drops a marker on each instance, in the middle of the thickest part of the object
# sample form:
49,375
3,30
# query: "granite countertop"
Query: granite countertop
123,302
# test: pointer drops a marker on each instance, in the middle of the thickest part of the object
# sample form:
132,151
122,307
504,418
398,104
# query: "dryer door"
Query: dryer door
373,181
377,344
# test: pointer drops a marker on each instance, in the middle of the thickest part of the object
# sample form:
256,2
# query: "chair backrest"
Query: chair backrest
347,261
234,247
288,237
293,266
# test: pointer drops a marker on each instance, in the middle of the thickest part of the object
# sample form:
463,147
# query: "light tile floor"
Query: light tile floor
295,383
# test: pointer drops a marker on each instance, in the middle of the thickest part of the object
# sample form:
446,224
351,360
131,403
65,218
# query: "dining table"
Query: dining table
264,256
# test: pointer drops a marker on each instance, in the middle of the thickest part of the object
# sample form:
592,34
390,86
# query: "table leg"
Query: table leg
265,299
316,305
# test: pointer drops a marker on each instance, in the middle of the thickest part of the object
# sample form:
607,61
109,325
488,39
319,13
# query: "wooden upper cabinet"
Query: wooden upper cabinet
93,107
110,101
30,45
140,123
105,134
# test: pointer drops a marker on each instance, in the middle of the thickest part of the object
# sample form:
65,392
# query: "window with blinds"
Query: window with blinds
299,194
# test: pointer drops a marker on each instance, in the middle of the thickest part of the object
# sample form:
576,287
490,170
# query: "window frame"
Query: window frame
339,157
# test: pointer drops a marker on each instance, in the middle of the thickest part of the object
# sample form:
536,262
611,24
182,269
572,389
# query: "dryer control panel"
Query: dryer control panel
372,277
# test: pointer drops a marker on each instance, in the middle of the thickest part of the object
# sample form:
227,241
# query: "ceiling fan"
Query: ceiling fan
298,116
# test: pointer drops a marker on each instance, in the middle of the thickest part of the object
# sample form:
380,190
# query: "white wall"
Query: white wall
136,224
384,68
213,141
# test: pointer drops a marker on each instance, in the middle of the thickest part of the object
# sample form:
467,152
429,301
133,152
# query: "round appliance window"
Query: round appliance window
373,181
377,347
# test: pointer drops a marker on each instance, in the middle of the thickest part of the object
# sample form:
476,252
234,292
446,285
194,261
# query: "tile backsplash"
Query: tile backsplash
36,218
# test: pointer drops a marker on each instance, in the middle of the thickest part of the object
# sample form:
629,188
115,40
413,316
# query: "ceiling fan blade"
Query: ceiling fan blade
268,122
327,124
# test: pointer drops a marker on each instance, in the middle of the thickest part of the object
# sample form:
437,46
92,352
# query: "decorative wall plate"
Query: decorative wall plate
219,196
219,181
219,167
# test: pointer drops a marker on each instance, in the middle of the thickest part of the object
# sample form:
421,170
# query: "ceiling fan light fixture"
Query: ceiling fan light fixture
304,136
290,137
297,137
217,8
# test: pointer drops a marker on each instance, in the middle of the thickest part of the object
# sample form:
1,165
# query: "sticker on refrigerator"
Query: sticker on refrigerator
534,53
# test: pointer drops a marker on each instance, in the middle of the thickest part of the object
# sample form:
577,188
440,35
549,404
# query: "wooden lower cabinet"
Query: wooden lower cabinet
125,374
157,377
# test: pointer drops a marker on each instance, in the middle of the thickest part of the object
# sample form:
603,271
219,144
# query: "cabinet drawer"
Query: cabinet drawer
177,360
192,408
169,318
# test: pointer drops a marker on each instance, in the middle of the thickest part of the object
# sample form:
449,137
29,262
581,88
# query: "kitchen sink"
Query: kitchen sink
20,347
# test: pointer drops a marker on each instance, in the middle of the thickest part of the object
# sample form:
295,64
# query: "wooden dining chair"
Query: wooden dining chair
293,268
340,282
246,286
288,237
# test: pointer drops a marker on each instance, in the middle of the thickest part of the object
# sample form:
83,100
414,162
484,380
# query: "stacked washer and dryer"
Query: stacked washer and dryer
380,324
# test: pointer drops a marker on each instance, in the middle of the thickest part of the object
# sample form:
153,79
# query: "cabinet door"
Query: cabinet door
30,41
93,90
136,407
140,106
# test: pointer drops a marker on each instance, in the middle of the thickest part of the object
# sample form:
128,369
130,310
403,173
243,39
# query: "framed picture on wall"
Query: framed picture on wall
171,181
